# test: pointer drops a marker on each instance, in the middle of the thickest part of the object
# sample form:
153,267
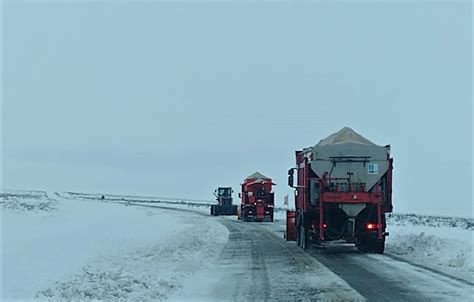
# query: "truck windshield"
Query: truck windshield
224,191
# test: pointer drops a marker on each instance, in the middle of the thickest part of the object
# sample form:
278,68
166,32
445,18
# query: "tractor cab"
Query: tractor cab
223,192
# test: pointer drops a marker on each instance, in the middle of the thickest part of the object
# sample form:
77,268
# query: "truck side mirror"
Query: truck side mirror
291,178
290,181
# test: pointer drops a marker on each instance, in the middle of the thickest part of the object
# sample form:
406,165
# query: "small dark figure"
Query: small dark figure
102,197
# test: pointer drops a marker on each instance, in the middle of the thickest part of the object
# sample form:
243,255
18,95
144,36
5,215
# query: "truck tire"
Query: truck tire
244,215
212,210
378,247
304,238
362,247
298,237
372,246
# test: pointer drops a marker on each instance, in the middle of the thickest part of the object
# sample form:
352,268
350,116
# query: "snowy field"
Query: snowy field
75,249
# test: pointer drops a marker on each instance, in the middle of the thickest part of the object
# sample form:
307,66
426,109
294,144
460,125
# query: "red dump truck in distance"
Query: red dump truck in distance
257,198
343,190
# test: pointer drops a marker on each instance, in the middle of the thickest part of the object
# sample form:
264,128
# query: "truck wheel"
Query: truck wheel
244,215
374,246
378,247
362,247
304,238
298,237
212,210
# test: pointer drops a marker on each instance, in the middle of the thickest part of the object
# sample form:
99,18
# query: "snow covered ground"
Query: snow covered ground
100,250
71,246
441,243
35,201
436,242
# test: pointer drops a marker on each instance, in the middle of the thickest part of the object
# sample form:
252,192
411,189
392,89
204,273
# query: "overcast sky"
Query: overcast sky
175,99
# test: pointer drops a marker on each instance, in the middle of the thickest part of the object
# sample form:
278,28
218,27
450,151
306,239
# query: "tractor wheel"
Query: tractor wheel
234,210
214,210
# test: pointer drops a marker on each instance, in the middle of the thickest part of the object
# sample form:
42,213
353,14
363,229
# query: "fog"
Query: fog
175,99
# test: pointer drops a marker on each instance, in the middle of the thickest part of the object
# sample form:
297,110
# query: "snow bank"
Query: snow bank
27,201
136,199
432,221
103,251
446,249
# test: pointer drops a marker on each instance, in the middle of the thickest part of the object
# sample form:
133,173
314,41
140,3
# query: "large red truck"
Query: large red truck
343,190
257,198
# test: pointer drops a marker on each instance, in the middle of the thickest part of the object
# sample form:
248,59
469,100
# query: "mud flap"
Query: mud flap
290,232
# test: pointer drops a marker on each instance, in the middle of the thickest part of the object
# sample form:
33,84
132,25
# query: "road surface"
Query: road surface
258,265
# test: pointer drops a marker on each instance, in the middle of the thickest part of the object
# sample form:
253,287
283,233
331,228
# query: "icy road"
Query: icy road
76,247
258,265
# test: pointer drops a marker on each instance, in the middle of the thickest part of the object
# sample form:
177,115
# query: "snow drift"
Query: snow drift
441,243
101,251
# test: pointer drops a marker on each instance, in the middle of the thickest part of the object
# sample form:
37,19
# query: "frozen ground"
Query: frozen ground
106,251
79,247
442,243
35,201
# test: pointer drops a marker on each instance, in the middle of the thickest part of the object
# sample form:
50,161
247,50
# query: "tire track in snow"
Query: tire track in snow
256,265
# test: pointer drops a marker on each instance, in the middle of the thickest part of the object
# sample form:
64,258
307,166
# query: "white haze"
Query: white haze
175,99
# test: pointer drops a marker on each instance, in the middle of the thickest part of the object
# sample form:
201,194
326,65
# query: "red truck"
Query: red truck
343,190
257,198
